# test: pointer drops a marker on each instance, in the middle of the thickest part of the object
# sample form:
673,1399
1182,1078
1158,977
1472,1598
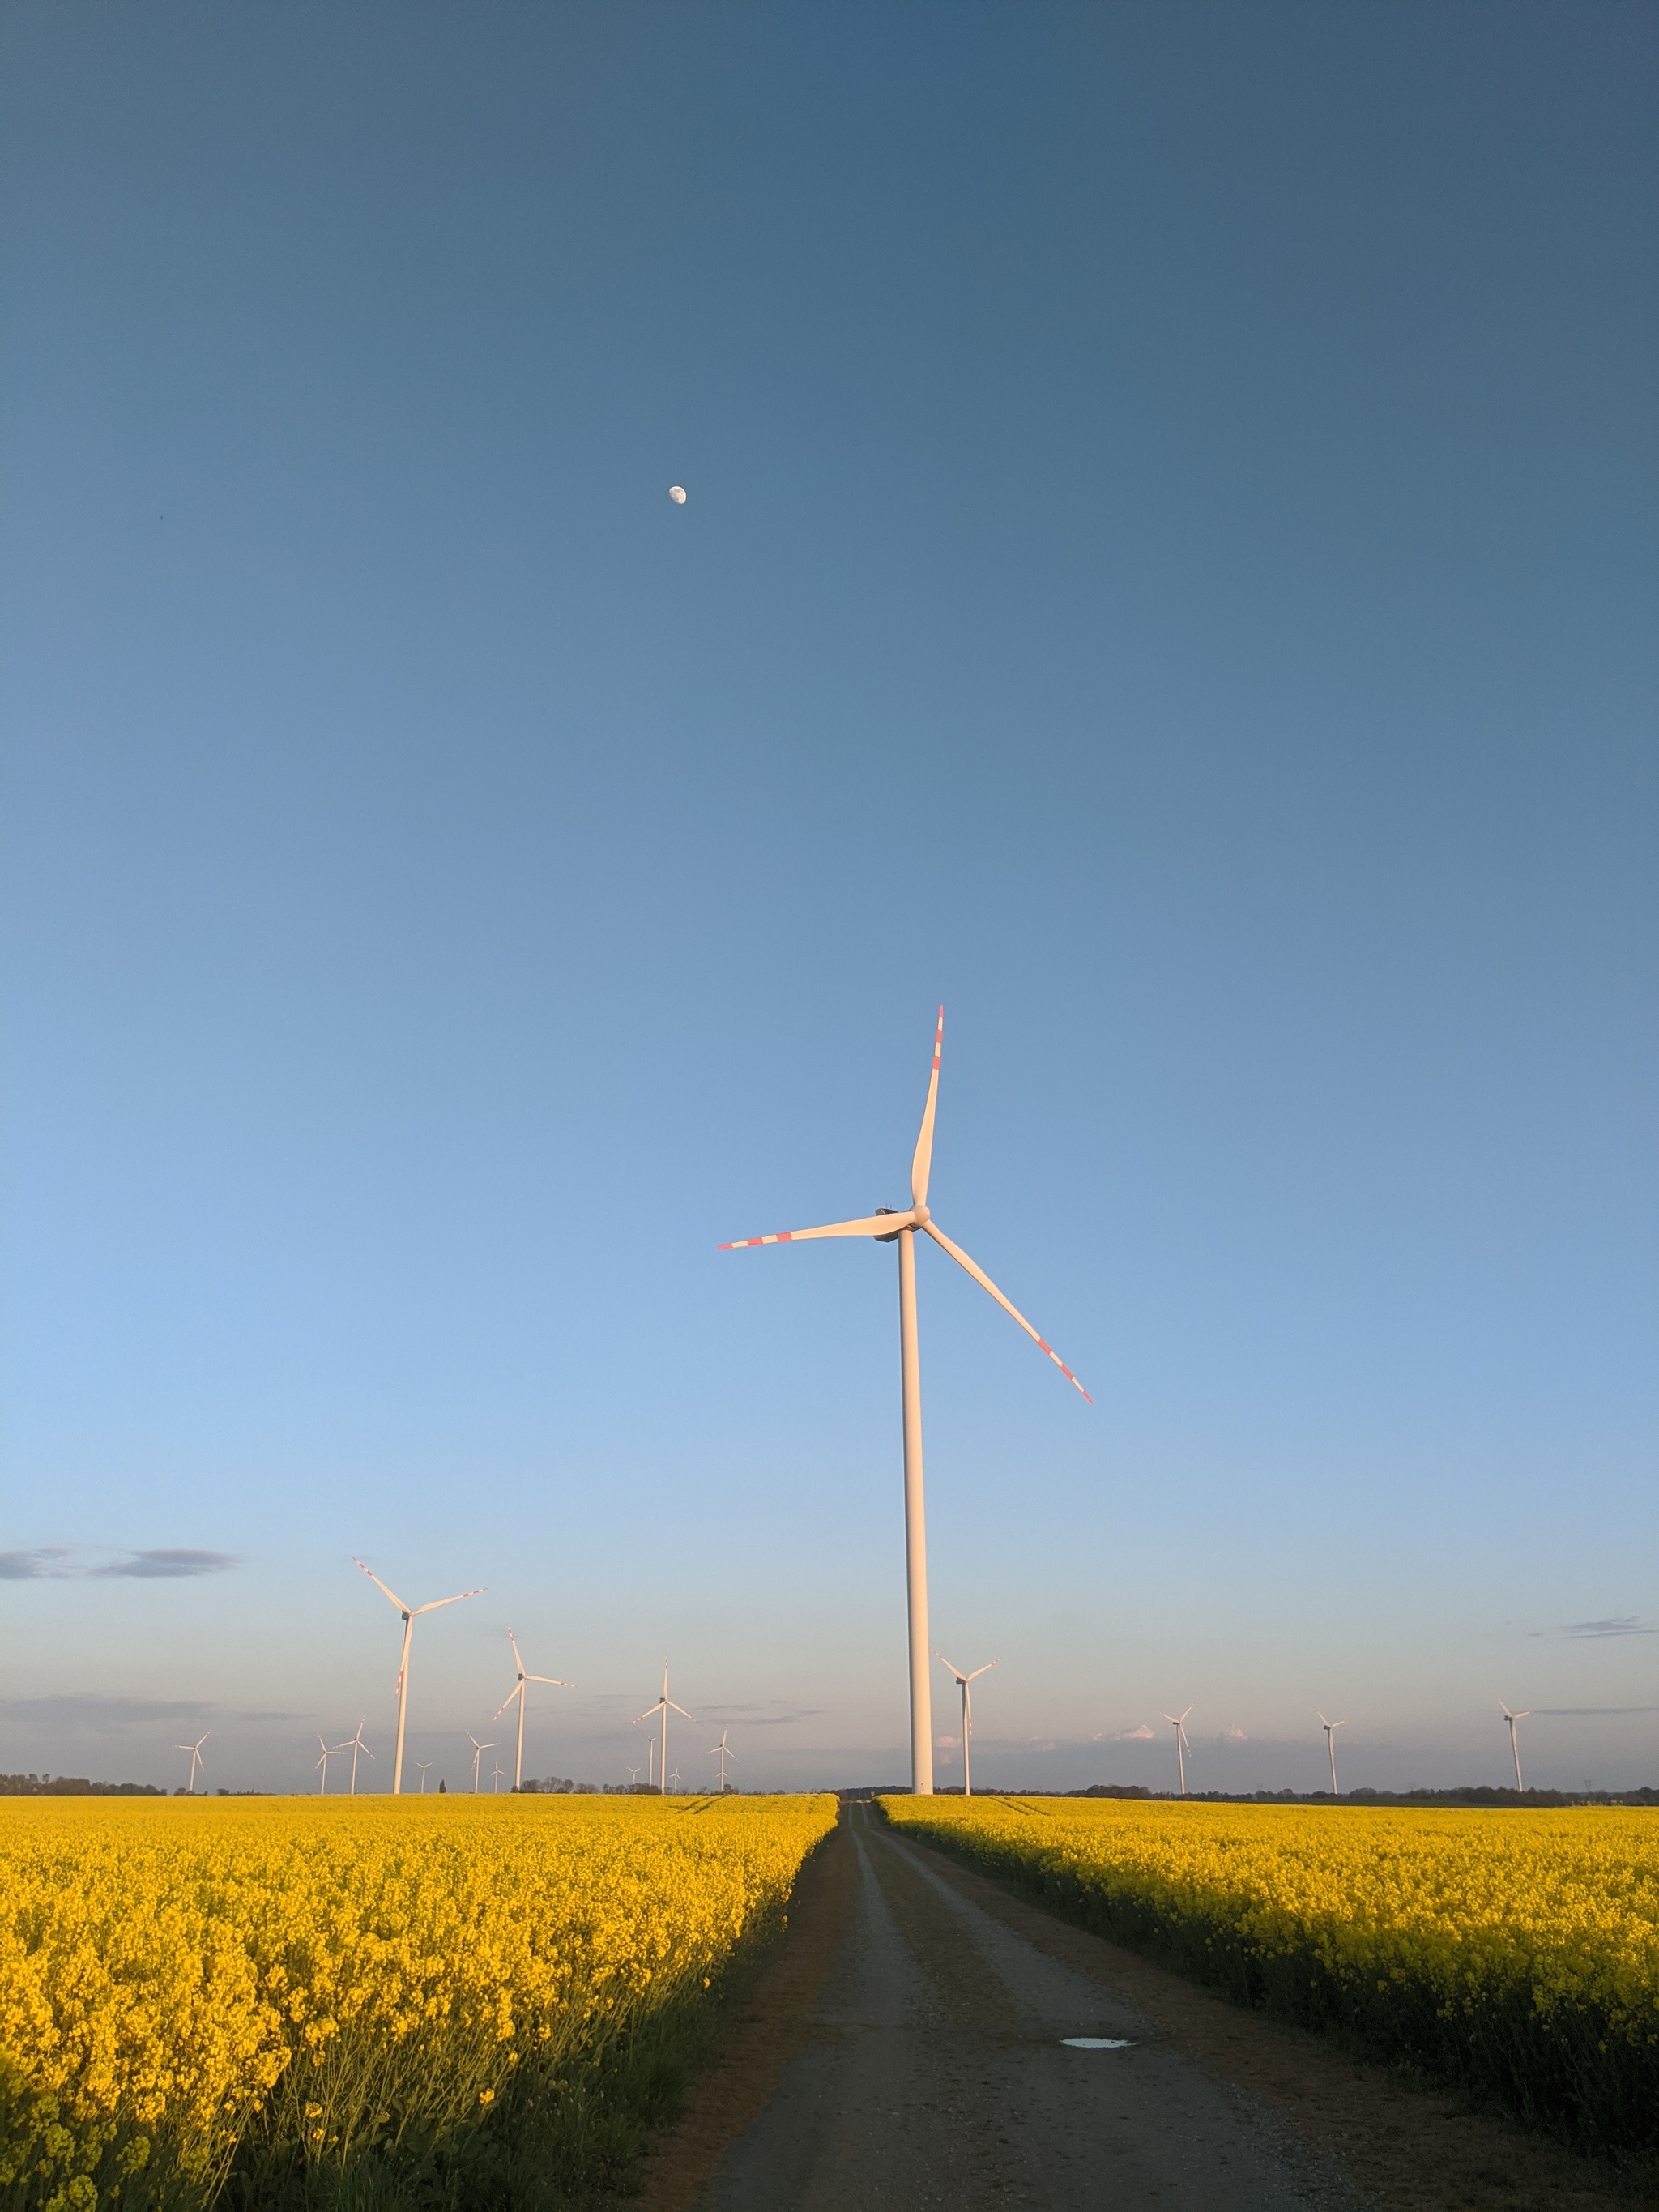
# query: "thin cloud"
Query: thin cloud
58,1563
1627,1624
1234,1735
83,1709
45,1565
1591,1712
1141,1734
167,1565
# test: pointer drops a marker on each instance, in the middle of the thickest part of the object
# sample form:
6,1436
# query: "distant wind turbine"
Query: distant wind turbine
409,1613
329,1751
1180,1728
478,1751
354,1745
523,1696
963,1680
423,1763
1515,1752
195,1758
676,1782
633,1777
664,1705
497,1770
722,1751
886,1225
1330,1728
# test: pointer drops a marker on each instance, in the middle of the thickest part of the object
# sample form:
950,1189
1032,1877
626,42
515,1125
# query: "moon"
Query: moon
677,492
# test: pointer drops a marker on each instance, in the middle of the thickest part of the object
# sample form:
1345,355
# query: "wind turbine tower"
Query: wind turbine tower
722,1751
1180,1727
195,1758
1330,1728
962,1681
664,1705
409,1613
887,1225
478,1751
1515,1749
354,1747
523,1696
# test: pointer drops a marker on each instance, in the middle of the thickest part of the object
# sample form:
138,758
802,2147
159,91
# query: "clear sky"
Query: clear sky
1169,571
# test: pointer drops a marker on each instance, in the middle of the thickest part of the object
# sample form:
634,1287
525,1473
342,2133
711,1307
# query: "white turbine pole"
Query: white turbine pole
962,1681
1180,1727
1515,1749
1330,1728
196,1759
521,1692
633,1777
478,1751
322,1790
722,1751
355,1747
423,1763
498,1770
665,1704
651,1762
887,1227
409,1612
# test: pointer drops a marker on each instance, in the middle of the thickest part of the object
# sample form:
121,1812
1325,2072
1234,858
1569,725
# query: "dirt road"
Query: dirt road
935,2074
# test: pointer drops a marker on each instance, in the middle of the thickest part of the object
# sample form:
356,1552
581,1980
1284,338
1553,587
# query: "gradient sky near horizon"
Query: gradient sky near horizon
1169,571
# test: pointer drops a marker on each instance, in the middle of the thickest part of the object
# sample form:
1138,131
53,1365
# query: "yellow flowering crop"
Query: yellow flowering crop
1516,1951
182,1977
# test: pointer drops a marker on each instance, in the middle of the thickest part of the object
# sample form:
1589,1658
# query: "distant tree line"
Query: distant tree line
72,1785
1470,1794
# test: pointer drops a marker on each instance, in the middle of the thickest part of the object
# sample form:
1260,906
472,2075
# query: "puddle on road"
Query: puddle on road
1096,2042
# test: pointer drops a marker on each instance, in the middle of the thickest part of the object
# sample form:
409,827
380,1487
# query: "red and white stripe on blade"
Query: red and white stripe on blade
1008,1307
873,1225
923,1159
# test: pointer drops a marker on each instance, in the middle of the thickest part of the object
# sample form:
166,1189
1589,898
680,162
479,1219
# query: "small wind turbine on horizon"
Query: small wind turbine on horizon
409,1613
677,1781
354,1745
633,1777
1515,1751
1330,1728
329,1751
478,1751
523,1696
195,1758
886,1225
963,1680
423,1763
497,1770
722,1751
1180,1728
664,1705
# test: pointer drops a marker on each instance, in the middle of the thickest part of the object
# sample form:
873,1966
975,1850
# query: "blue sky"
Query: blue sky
1169,571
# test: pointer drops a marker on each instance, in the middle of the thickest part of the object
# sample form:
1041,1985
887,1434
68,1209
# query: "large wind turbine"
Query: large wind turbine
523,1696
1179,1724
409,1612
1510,1717
664,1705
886,1225
195,1758
963,1680
1330,1728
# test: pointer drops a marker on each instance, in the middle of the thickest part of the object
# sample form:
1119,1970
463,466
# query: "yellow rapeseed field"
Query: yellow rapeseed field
1516,1951
185,1981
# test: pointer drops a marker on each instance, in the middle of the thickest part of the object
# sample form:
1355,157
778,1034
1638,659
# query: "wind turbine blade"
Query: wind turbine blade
517,1691
380,1586
456,1599
552,1681
683,1714
984,1669
517,1662
1008,1307
873,1225
650,1713
923,1158
943,1662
